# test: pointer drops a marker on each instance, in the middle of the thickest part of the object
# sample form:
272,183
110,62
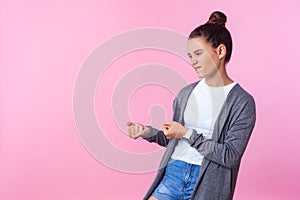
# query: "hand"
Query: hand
136,130
173,129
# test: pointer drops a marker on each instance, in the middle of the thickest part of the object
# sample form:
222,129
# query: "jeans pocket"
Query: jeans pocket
164,190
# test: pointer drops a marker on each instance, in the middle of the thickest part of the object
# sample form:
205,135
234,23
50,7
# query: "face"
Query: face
204,59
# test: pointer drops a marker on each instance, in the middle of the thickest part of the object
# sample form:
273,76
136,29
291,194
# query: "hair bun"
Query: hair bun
217,18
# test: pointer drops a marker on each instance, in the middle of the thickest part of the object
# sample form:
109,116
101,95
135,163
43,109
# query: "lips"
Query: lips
197,68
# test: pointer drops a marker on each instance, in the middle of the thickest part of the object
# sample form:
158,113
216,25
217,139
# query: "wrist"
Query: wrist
188,133
146,130
183,131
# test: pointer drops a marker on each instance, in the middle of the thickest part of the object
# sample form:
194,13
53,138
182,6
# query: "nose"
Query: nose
193,61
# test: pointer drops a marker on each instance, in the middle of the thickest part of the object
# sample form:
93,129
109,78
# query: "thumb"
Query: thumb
130,123
168,123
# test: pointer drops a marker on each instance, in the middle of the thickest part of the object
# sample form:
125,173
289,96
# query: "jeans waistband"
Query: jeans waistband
181,163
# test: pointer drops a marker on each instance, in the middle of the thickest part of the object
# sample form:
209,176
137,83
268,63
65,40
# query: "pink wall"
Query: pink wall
43,47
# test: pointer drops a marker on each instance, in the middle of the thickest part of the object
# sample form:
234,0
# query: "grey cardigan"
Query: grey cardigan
222,153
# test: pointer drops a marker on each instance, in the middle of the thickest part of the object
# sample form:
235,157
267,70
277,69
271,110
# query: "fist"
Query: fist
174,129
136,130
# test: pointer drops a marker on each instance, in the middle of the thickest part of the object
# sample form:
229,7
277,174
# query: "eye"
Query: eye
198,54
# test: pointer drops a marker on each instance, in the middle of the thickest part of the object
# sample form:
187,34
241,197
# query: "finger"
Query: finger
133,136
144,130
166,132
130,133
177,127
133,132
130,129
130,123
168,123
165,129
167,135
141,129
136,129
169,129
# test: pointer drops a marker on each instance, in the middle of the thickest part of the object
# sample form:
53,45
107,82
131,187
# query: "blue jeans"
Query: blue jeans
178,182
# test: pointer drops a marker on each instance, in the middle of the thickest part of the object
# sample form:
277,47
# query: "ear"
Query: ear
221,50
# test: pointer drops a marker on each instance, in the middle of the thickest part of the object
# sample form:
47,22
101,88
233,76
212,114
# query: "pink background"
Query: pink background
42,46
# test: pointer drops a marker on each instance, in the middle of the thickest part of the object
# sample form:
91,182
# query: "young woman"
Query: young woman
212,122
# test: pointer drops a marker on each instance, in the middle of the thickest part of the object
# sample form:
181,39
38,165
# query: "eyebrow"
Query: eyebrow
195,51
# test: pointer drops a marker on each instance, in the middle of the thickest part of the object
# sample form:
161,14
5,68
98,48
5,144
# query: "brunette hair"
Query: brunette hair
215,33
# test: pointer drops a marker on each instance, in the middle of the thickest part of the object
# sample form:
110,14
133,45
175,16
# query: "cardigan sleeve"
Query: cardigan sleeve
156,136
229,152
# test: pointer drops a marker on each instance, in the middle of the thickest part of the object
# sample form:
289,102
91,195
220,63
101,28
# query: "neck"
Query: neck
218,79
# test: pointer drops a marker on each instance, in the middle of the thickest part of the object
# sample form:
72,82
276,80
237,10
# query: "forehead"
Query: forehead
196,43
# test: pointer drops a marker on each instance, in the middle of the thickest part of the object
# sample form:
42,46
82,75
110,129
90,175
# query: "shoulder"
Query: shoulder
187,89
238,92
238,96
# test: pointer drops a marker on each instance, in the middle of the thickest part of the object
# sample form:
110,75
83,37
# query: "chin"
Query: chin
200,76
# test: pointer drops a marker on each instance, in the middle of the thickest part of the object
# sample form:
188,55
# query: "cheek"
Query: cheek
213,61
207,61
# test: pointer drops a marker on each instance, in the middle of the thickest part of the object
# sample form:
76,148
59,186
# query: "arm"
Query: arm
158,136
228,153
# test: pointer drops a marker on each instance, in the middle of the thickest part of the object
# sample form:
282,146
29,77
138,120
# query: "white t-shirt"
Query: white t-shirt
201,112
